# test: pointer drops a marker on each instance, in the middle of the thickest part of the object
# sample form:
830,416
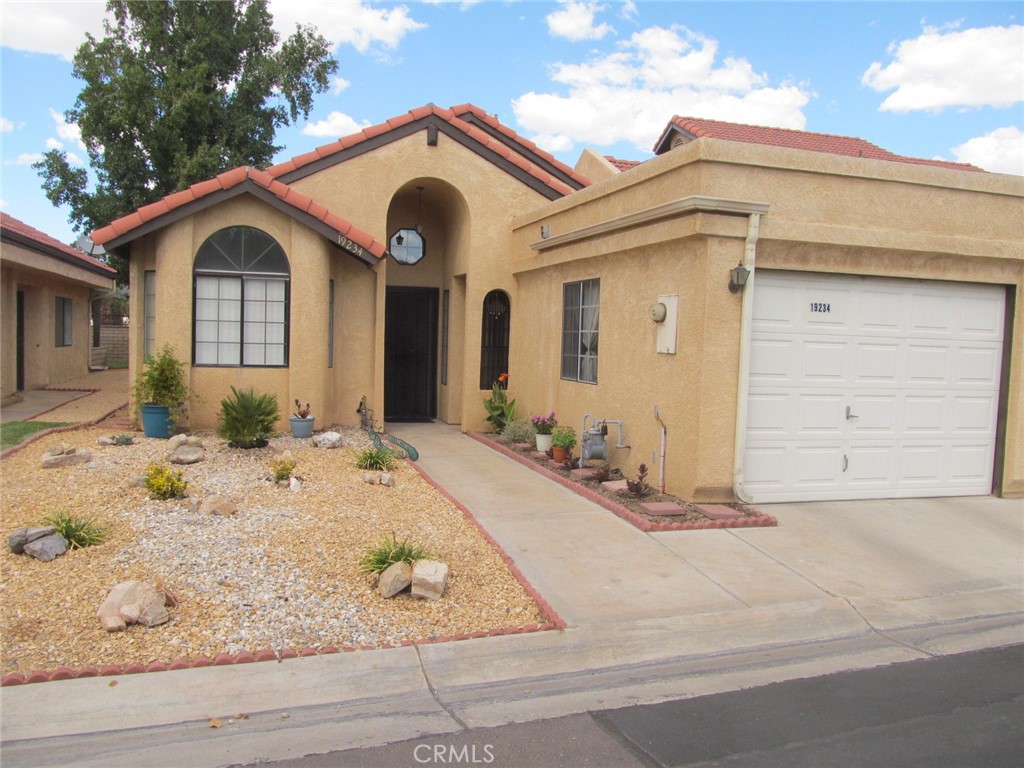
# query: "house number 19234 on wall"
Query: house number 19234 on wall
350,246
817,306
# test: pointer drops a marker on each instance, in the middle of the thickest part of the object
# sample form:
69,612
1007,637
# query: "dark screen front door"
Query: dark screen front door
410,357
19,363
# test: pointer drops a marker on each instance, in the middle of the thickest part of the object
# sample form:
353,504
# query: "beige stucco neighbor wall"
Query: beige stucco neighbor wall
825,213
42,280
313,263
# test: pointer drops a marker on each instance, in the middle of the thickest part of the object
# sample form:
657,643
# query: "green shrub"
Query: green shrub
375,458
564,437
247,419
164,483
282,469
162,381
78,531
518,431
389,551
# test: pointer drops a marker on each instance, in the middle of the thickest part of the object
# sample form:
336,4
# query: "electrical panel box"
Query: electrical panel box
666,333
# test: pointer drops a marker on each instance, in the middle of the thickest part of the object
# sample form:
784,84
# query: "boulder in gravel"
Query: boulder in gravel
328,440
17,539
429,578
175,442
187,454
394,579
105,440
295,484
369,478
132,602
63,456
217,505
47,547
387,479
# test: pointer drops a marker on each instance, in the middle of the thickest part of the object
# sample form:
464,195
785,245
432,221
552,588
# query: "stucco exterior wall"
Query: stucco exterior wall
825,213
42,280
313,262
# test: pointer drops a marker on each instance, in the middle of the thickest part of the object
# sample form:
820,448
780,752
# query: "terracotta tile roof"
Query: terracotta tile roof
230,180
695,128
622,165
30,236
451,118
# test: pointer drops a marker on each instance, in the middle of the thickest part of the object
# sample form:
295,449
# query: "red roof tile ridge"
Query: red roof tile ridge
851,146
39,237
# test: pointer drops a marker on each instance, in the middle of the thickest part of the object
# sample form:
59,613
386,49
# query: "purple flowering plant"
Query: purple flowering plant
544,425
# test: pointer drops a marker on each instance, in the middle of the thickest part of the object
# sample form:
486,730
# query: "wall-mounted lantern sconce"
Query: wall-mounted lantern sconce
738,278
545,231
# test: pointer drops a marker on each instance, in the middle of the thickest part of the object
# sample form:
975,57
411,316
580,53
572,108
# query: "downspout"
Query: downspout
746,313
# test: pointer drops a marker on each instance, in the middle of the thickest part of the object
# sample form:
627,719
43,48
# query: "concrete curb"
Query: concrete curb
760,521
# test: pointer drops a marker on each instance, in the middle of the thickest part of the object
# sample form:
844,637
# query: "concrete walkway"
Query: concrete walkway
78,401
651,617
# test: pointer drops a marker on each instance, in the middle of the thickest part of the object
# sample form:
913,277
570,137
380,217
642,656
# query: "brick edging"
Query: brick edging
54,430
760,521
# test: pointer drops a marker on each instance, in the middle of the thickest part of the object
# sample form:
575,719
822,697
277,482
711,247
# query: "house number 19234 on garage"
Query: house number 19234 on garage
817,306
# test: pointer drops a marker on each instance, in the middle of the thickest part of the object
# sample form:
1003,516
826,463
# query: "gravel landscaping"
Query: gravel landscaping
282,573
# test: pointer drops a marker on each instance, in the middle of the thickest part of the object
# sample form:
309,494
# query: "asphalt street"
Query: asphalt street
959,711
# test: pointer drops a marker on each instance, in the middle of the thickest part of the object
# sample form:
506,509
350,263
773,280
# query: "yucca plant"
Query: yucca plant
375,458
389,551
77,531
247,419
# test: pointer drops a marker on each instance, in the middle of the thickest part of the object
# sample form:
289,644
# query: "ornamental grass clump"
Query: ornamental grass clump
164,483
247,419
375,458
518,431
389,551
79,532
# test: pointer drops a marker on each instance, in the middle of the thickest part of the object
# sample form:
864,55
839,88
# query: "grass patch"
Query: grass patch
14,432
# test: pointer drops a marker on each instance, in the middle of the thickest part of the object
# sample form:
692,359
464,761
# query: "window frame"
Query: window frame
63,322
495,337
574,360
233,270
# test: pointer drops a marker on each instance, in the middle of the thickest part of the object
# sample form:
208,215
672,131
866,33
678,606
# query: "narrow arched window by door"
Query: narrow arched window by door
494,338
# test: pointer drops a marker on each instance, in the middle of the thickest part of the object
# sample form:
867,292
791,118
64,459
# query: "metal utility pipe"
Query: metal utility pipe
661,461
746,315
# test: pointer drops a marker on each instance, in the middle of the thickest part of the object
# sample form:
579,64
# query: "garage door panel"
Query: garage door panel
917,363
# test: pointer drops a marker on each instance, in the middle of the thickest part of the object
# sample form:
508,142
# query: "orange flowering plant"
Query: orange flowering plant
500,410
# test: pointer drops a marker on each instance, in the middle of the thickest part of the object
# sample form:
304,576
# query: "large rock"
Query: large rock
47,548
17,539
429,578
177,441
328,440
217,505
394,579
187,454
63,456
132,602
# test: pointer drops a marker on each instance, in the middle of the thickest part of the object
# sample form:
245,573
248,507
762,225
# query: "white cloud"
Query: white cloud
67,131
27,158
959,68
56,28
361,25
339,84
336,125
630,95
3,203
6,126
1001,151
52,143
575,21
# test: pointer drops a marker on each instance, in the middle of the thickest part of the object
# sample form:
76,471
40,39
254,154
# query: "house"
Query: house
49,292
753,313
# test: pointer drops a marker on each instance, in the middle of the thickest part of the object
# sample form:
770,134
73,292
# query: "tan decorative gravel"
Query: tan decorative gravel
282,573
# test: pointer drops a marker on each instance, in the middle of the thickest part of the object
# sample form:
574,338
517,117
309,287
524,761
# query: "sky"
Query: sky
923,79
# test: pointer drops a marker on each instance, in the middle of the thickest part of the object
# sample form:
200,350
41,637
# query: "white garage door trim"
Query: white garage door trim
865,387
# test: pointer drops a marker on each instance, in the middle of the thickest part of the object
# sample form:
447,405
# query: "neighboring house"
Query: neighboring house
874,350
48,294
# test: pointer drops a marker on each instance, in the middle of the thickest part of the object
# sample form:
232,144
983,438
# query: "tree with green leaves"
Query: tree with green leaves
176,92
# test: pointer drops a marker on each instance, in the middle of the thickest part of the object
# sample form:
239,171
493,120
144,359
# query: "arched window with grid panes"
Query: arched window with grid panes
494,338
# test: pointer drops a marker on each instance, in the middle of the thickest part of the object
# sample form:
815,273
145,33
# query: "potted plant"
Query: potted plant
544,426
301,422
161,393
563,440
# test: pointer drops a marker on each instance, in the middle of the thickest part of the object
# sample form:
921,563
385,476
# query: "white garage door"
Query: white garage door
871,388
